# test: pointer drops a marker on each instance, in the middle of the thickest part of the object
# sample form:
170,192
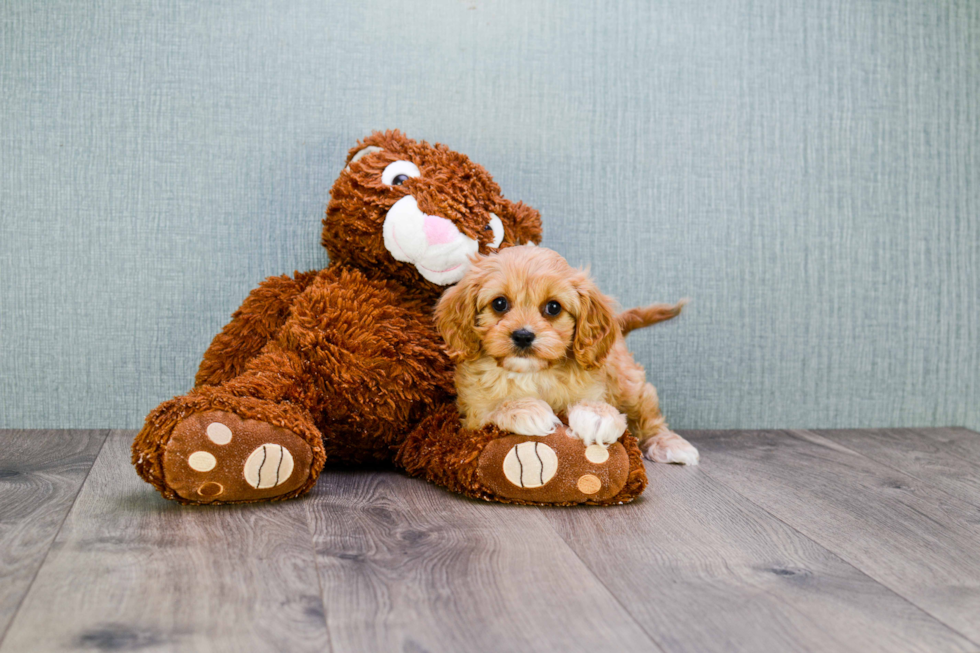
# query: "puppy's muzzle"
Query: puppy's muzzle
522,338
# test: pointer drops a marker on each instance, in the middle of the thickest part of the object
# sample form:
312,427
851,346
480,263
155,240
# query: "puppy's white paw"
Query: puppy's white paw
526,417
668,447
594,422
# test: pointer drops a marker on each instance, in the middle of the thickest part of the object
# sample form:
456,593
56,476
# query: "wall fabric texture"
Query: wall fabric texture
807,172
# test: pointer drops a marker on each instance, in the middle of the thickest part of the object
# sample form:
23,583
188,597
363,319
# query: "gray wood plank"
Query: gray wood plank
129,570
947,459
916,540
408,566
964,440
40,475
957,441
702,570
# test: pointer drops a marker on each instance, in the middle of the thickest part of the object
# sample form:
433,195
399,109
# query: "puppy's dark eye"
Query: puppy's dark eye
399,180
552,308
500,304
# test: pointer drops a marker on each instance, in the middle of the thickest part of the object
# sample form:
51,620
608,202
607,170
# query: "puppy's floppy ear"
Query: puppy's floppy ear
456,318
596,328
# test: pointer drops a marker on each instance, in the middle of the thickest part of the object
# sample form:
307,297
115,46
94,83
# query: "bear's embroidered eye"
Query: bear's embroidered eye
552,308
500,304
398,173
497,227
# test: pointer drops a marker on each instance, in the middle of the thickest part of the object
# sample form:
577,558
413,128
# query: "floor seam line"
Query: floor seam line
889,466
54,538
316,564
600,579
846,561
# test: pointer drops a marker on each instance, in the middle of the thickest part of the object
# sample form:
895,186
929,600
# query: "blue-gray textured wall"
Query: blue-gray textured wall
807,172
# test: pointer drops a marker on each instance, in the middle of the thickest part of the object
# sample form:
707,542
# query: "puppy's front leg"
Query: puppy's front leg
525,417
596,422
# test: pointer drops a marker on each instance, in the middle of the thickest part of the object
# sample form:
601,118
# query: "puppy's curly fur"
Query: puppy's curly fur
533,337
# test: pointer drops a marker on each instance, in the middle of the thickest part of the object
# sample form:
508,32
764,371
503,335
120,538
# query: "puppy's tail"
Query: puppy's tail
638,318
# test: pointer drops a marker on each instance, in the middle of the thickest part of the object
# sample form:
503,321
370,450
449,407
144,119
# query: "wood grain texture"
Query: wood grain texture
702,569
407,566
40,475
778,541
130,570
948,459
916,540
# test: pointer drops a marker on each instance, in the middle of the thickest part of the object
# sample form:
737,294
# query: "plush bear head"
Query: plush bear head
417,212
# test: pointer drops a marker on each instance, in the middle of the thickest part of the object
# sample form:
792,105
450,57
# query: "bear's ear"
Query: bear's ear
363,152
522,224
392,140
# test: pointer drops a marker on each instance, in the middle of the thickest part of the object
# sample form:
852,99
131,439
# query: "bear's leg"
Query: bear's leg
494,465
249,439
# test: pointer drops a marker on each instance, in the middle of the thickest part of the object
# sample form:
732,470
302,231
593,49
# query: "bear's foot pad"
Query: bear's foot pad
556,468
218,457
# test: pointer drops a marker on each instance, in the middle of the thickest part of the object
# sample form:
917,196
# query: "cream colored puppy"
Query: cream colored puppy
533,337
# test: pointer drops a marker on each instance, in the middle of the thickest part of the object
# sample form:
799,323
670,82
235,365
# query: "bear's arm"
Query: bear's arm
362,342
362,360
252,326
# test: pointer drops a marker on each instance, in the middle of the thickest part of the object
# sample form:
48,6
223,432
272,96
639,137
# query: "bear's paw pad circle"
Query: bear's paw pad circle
268,466
210,489
219,433
201,461
596,453
589,484
530,464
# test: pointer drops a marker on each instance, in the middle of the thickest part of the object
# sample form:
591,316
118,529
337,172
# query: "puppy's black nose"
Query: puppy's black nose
522,338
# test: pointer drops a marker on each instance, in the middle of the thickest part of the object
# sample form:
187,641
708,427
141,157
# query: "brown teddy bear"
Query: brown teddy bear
346,364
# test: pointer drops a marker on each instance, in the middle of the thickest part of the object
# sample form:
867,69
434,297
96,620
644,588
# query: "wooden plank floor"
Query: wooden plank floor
865,540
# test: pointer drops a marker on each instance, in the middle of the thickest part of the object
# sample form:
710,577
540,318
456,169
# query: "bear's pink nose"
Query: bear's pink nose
439,230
